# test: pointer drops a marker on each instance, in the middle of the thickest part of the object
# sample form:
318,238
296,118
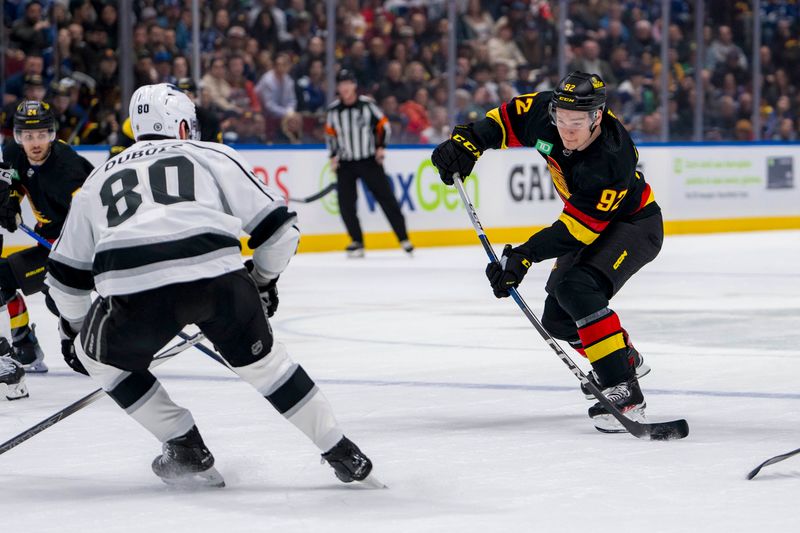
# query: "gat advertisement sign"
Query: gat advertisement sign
504,188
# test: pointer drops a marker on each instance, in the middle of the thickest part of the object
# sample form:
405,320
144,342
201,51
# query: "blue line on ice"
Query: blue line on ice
479,386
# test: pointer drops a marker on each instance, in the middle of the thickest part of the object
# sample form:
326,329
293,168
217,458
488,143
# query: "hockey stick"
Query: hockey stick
52,420
209,352
316,196
676,429
776,459
44,242
35,236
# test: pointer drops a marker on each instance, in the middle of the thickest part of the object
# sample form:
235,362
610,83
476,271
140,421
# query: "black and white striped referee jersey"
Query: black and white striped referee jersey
354,132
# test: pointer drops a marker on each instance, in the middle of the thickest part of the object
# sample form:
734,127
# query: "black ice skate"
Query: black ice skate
407,247
187,463
350,464
12,375
637,361
355,249
28,353
628,398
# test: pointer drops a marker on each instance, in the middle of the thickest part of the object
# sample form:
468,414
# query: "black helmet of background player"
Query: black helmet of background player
33,87
33,115
579,91
187,85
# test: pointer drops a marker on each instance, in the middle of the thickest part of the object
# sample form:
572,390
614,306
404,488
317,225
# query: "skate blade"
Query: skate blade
358,254
609,424
37,367
373,483
15,392
210,478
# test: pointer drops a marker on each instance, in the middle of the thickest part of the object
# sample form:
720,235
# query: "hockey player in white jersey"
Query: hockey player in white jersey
155,231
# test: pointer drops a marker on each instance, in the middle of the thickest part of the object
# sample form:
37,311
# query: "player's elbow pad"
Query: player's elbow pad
272,226
73,305
273,258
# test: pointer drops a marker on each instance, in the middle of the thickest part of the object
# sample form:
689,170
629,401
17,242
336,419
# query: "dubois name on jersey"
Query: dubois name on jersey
176,208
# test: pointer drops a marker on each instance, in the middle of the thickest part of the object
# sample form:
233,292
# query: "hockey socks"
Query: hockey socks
293,394
604,343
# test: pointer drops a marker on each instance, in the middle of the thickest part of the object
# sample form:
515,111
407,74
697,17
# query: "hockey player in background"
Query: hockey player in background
12,374
48,172
155,231
610,226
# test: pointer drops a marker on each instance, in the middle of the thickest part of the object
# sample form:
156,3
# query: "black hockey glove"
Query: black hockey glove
457,154
6,175
508,273
267,289
10,215
68,336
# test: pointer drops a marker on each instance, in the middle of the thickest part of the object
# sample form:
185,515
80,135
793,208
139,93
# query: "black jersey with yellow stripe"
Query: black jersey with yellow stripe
49,186
598,185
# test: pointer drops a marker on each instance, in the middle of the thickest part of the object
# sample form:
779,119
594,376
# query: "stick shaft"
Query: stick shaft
35,236
626,422
187,342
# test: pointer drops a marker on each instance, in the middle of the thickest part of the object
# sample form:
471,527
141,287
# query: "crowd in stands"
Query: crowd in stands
264,71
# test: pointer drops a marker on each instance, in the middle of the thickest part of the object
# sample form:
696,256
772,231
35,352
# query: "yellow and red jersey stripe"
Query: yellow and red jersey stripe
580,225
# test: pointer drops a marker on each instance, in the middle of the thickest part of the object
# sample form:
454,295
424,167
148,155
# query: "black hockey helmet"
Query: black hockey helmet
187,85
34,115
578,91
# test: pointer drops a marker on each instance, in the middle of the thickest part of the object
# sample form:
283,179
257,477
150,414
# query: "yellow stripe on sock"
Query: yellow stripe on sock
19,321
597,351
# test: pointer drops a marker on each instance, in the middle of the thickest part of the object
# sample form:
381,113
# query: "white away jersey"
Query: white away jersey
163,212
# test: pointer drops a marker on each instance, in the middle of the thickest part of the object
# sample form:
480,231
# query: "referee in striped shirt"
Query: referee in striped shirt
357,133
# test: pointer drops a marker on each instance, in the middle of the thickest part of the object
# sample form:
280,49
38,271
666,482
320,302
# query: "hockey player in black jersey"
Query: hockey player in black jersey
610,226
155,231
48,172
12,374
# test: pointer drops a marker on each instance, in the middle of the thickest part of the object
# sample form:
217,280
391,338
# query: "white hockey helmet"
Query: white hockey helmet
159,110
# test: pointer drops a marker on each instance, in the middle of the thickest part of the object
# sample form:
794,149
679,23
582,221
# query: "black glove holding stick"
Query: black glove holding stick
68,336
9,207
457,154
509,271
267,288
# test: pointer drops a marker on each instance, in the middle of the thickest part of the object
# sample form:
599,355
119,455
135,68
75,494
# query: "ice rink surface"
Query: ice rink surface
469,417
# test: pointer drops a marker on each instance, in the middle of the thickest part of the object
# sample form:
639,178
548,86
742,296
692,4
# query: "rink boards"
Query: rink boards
702,188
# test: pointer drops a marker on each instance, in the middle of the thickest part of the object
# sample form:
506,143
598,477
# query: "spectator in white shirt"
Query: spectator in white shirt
276,89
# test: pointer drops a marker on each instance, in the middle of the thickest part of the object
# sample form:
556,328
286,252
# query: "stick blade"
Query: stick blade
677,429
772,461
755,471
